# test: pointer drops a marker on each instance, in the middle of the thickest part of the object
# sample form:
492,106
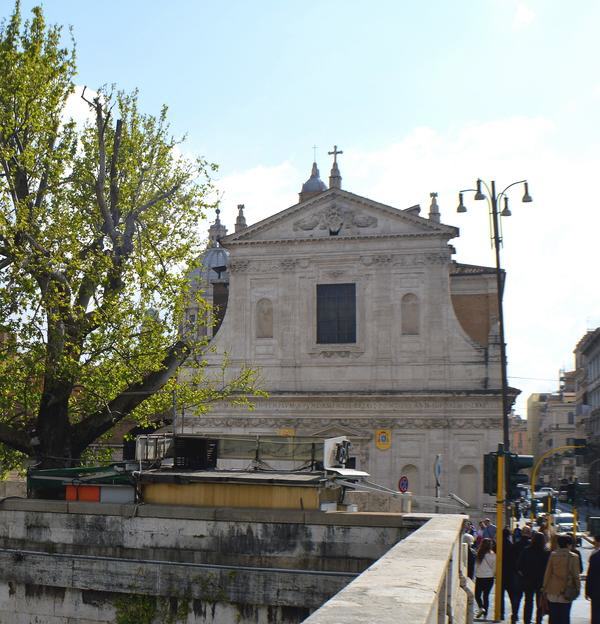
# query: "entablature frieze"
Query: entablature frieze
287,265
395,403
363,426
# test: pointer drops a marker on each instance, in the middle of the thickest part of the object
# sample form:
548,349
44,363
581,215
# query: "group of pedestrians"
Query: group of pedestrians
540,570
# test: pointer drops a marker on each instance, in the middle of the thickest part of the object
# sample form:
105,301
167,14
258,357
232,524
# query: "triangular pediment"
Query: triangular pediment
337,213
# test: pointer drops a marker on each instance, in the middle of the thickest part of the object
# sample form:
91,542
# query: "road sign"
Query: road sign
489,508
403,484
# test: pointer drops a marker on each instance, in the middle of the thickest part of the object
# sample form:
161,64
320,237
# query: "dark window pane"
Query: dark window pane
336,313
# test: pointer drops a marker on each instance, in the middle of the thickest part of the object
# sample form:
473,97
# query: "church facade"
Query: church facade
362,324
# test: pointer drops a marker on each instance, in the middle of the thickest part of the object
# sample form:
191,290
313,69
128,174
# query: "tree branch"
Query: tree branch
15,438
109,226
155,200
132,217
114,186
92,427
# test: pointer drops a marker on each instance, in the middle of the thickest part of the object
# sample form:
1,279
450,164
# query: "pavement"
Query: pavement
580,611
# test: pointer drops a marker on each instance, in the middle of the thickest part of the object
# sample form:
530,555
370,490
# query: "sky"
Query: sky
420,96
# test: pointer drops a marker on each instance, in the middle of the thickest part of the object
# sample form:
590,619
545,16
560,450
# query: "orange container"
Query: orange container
88,493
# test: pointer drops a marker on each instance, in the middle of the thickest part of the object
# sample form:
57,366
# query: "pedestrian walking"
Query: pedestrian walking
561,581
479,534
575,550
508,569
489,529
469,540
485,570
592,583
515,585
531,566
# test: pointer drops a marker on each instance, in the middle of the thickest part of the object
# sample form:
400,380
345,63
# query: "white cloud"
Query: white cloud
523,17
550,245
77,108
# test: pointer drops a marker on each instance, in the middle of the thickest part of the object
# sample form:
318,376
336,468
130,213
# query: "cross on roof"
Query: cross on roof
335,153
314,153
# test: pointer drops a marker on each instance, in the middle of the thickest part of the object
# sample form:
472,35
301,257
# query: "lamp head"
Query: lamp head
479,195
527,197
461,205
506,211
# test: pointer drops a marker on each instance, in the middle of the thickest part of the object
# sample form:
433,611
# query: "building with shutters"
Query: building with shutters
362,324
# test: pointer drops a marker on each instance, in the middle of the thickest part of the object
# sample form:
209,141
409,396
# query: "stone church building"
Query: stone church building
363,325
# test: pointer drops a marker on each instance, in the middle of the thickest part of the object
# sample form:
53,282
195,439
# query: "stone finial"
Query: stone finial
335,178
216,231
240,222
434,209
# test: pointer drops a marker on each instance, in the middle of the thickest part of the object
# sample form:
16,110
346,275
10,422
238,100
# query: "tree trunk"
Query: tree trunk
53,427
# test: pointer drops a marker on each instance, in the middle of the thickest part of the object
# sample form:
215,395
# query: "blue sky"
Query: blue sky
260,82
421,96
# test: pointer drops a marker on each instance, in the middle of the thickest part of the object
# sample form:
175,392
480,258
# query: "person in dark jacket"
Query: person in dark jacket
592,583
509,575
576,551
516,588
531,567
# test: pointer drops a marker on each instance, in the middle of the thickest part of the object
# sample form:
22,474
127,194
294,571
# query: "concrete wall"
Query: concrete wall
85,562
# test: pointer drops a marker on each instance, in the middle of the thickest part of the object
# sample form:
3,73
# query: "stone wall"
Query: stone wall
86,562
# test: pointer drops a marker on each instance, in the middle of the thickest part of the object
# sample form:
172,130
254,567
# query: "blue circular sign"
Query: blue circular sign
403,484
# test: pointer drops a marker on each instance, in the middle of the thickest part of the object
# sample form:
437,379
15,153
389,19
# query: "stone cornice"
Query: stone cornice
436,229
335,239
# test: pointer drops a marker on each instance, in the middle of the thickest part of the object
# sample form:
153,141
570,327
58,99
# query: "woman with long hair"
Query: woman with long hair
485,570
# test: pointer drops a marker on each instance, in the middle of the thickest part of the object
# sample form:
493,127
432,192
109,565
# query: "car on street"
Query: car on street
563,522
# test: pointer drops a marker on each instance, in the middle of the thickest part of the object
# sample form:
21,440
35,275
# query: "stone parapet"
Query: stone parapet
423,578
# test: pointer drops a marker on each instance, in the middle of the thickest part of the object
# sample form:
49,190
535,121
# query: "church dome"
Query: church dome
215,260
314,184
213,265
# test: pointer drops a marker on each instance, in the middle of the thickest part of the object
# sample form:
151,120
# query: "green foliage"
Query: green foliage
10,460
134,609
97,226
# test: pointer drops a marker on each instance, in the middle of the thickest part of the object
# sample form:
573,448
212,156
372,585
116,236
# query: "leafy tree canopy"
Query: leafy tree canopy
97,227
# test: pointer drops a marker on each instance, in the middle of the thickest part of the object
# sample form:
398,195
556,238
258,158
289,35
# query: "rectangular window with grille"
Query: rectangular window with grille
336,313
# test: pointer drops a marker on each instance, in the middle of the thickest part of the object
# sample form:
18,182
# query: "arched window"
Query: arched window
409,315
264,319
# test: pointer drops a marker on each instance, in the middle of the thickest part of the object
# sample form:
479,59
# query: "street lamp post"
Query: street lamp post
503,449
493,200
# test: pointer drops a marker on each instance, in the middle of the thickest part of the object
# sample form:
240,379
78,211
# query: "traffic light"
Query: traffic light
580,442
514,480
490,473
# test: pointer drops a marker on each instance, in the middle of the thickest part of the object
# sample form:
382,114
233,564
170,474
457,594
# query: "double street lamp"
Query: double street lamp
493,199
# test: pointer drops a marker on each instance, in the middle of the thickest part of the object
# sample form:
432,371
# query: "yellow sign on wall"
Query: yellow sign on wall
287,432
383,439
